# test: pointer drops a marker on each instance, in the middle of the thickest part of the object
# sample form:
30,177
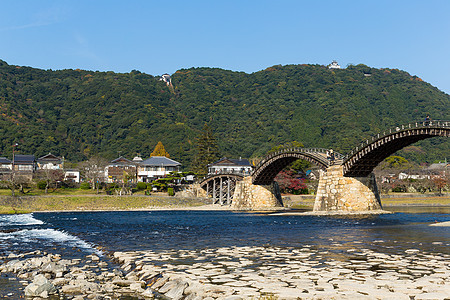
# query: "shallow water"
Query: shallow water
76,234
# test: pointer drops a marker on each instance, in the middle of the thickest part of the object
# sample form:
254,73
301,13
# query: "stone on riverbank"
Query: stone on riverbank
242,273
40,287
441,224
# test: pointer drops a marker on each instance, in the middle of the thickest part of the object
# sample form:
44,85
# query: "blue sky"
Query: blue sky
159,37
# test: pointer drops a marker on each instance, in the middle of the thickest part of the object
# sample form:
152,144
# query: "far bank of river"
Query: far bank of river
140,202
390,200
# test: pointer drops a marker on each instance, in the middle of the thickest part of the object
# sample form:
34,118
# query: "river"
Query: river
77,234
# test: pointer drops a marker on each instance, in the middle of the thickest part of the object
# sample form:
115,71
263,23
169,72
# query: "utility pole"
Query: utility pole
13,183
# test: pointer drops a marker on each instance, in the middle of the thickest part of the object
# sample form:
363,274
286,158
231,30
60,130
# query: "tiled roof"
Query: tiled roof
122,160
25,159
4,160
160,161
49,157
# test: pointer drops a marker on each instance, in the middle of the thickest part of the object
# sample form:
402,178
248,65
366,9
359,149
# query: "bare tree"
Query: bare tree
16,182
51,177
94,171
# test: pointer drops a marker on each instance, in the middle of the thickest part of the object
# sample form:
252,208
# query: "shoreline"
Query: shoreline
94,203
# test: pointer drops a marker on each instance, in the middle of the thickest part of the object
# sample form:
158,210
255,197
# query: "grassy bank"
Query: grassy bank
307,201
11,205
93,202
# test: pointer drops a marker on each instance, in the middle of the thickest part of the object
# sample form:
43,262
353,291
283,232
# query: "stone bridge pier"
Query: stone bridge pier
346,194
249,196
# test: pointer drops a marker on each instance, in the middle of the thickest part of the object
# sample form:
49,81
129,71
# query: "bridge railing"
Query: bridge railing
337,155
413,125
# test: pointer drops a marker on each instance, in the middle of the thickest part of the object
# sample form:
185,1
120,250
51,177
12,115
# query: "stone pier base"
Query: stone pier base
347,194
256,197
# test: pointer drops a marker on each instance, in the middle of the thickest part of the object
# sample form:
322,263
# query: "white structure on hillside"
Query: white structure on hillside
166,79
334,65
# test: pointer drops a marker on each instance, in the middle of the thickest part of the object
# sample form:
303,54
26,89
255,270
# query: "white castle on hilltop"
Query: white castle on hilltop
334,65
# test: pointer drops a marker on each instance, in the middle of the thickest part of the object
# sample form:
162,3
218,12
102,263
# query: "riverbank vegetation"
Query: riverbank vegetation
94,202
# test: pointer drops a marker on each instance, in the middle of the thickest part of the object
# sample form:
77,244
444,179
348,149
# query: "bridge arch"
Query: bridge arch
221,187
271,165
361,161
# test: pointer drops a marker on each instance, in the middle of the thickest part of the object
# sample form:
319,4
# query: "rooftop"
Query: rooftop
160,161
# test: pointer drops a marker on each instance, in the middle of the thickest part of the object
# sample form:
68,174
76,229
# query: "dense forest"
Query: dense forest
78,113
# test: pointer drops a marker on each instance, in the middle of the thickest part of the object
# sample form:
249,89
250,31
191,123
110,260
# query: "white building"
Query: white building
72,175
230,166
50,162
334,65
413,176
156,167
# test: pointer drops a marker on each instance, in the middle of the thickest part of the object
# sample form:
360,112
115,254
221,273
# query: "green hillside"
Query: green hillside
77,113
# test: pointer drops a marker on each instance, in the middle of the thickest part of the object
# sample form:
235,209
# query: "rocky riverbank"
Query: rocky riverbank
236,273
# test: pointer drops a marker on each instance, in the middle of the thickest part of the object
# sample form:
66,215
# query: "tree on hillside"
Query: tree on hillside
299,164
160,151
395,162
207,151
293,144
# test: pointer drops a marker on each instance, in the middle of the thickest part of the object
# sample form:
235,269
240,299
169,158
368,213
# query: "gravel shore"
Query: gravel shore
236,273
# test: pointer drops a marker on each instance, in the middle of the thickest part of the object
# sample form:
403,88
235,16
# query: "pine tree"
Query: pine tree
207,151
160,151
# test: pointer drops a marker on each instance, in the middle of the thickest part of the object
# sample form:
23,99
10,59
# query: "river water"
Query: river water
75,234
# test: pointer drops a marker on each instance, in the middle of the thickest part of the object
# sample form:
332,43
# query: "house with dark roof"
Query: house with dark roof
5,168
116,169
156,167
50,162
24,165
230,166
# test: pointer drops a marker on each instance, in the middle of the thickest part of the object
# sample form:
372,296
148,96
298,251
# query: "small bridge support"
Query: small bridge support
346,194
221,187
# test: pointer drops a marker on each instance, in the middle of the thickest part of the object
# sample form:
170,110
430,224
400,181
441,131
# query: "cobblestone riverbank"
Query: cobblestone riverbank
235,273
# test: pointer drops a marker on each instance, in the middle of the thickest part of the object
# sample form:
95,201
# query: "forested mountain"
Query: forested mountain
78,113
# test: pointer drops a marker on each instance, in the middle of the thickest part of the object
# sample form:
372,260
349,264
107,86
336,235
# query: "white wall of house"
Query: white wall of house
152,172
6,166
49,166
72,175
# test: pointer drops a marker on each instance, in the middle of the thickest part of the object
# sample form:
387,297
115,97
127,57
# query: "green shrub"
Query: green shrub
141,186
170,191
41,185
85,186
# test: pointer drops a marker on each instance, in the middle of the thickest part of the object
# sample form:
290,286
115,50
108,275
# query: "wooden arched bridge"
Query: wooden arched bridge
360,162
364,158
